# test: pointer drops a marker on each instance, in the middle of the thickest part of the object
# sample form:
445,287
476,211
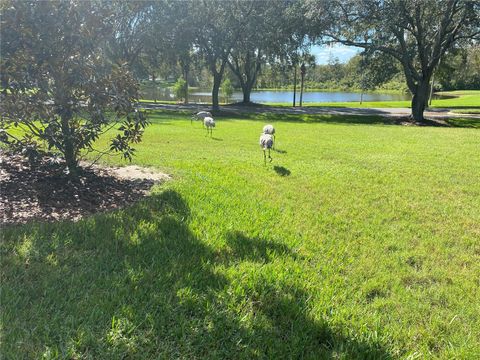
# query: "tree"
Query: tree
59,90
179,89
460,69
169,40
219,26
132,23
416,33
372,69
227,89
259,38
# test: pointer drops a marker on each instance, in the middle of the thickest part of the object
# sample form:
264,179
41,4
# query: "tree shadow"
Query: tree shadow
464,122
282,171
328,115
138,283
255,249
347,116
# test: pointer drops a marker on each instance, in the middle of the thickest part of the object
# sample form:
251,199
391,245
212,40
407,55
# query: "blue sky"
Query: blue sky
343,53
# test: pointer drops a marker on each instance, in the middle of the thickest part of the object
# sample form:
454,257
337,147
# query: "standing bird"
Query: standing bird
270,130
266,142
209,123
201,115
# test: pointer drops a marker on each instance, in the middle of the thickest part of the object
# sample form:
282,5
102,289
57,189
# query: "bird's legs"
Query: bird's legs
269,155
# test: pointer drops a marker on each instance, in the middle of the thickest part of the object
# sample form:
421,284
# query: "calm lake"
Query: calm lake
263,96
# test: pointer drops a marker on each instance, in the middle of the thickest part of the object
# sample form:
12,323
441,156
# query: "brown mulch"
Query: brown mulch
407,121
46,193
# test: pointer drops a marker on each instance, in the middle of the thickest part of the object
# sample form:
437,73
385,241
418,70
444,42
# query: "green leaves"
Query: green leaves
131,131
57,83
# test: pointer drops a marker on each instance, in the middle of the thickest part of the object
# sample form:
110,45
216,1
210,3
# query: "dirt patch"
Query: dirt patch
131,172
47,193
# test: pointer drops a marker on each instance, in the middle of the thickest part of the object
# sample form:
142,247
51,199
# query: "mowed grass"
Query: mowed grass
361,240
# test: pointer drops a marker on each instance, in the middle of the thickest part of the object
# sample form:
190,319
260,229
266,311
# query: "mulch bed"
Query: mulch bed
407,121
45,192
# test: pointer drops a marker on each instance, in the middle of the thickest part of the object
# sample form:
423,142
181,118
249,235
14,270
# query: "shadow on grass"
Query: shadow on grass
348,116
243,248
312,118
464,122
282,171
280,151
138,283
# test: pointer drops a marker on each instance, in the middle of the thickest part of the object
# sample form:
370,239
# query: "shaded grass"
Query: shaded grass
366,248
165,117
464,122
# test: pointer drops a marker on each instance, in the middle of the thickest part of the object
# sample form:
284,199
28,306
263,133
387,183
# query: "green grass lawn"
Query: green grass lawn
360,240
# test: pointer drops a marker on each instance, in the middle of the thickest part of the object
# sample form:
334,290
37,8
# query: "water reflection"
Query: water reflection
286,96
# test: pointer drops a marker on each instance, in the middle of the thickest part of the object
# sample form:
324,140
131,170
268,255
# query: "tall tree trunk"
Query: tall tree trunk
185,77
431,91
246,94
251,80
294,85
68,146
154,79
246,67
301,91
217,79
420,99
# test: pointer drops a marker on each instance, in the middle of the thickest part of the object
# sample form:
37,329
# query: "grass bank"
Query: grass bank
359,240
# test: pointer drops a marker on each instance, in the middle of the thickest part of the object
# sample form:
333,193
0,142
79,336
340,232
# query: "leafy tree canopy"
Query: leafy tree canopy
416,33
58,87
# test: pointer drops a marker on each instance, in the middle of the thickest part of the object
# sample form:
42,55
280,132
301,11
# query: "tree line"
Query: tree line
458,70
70,69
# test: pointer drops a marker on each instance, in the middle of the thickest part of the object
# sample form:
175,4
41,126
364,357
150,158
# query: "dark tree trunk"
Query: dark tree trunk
154,88
185,77
69,146
247,90
420,100
217,79
246,72
294,85
251,80
301,91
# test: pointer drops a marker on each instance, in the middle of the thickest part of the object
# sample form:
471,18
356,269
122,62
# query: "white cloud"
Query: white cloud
342,52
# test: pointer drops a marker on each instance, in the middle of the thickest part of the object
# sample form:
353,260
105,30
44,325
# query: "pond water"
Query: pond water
286,96
264,96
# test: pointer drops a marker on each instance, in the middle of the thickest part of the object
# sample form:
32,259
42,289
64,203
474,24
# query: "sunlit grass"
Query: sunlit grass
359,240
